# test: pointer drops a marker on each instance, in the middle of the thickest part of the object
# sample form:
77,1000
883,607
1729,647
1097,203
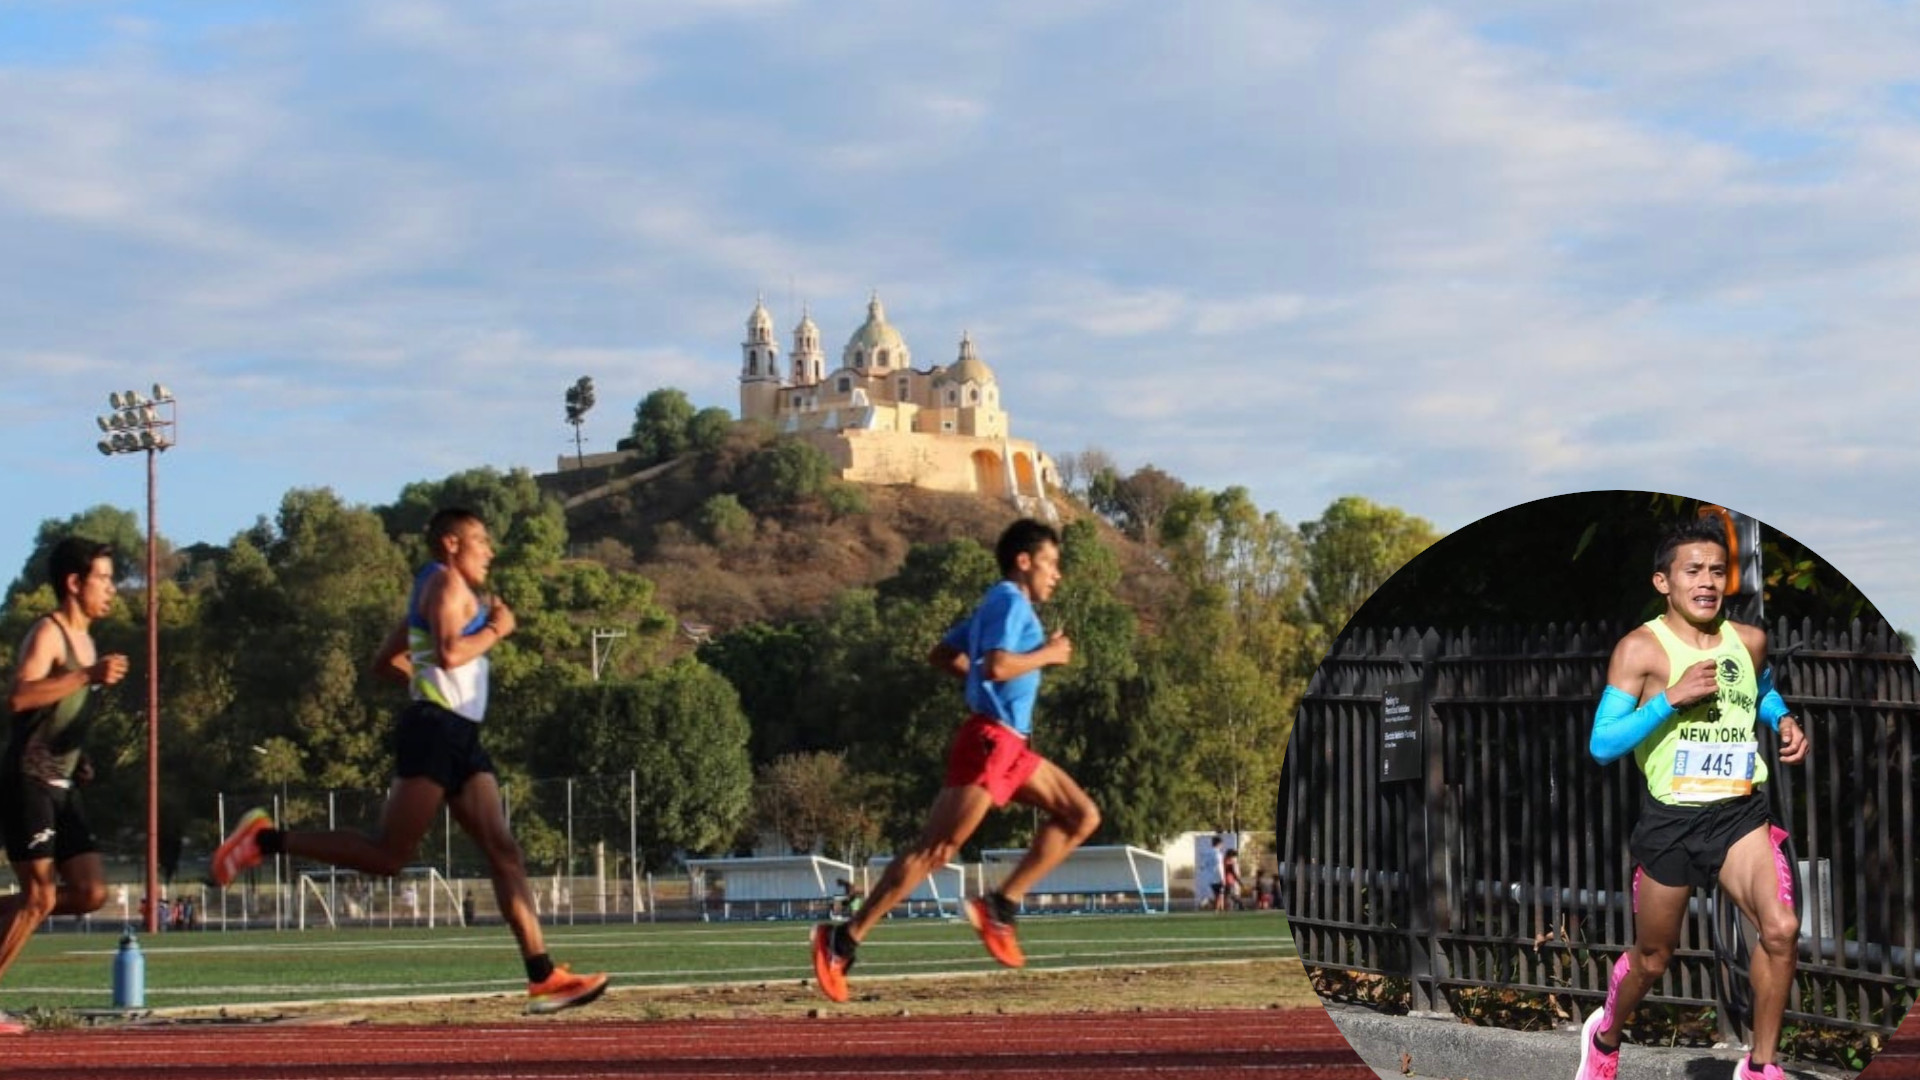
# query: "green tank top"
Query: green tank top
1707,751
45,742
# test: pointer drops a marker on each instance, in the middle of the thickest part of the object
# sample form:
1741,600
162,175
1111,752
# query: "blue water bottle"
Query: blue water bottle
129,974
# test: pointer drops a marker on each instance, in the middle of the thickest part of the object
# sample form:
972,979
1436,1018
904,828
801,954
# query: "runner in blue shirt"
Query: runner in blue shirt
999,651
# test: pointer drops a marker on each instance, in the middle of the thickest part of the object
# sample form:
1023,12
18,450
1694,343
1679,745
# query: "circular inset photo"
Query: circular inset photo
1614,779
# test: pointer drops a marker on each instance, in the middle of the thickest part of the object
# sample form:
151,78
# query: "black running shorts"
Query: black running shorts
43,822
440,745
1685,845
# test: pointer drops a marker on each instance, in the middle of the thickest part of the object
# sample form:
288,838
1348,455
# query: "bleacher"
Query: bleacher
1106,878
940,894
769,887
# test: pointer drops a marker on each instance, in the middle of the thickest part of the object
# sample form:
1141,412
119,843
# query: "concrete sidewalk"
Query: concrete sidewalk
1445,1049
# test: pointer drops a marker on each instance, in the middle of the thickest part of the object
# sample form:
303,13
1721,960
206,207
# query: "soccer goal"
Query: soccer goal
416,896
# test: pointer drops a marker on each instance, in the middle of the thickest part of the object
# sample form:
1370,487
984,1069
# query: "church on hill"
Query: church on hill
880,420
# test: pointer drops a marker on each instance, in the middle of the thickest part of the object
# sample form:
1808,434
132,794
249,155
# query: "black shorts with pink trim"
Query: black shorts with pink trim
1683,845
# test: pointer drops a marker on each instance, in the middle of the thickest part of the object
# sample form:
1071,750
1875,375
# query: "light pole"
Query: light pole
272,761
139,424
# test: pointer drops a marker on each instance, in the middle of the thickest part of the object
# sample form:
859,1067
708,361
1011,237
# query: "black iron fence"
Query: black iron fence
1501,860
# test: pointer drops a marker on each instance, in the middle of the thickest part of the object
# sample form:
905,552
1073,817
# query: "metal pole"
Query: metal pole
220,823
153,709
279,896
333,874
633,838
569,852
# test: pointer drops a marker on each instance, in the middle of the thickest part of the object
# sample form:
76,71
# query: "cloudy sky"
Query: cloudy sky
1449,257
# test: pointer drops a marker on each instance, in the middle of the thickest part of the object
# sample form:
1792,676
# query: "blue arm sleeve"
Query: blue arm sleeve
1618,727
1772,707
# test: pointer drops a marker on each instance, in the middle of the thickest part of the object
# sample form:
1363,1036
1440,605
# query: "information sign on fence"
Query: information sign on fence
1403,707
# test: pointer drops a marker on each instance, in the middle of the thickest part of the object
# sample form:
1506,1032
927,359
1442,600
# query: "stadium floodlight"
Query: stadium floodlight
138,424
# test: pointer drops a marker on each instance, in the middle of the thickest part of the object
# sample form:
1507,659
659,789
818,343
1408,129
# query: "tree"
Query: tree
708,429
660,424
1231,676
723,521
1077,470
106,524
1137,503
528,525
813,803
782,473
290,625
770,667
1353,548
579,402
681,729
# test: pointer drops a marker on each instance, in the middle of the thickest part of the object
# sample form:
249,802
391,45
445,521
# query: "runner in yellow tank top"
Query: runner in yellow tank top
1683,696
1707,751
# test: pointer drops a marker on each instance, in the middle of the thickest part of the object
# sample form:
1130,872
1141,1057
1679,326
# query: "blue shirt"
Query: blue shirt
1005,620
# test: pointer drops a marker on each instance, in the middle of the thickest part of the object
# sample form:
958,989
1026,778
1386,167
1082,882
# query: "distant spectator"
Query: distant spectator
846,903
1230,880
1216,867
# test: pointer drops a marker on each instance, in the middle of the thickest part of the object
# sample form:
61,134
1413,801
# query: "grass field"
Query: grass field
363,967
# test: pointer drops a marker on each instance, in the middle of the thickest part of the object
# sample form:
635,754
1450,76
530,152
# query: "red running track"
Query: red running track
1900,1058
1301,1044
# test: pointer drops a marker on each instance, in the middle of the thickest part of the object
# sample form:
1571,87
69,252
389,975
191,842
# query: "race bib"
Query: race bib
1710,771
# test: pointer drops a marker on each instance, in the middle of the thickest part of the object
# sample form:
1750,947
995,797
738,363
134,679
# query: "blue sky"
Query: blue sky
1449,257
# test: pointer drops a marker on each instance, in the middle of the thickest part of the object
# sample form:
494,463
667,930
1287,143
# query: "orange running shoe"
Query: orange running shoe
564,990
240,851
832,959
992,918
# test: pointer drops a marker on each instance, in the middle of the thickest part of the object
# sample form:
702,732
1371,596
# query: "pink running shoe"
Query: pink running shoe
1595,1063
1745,1071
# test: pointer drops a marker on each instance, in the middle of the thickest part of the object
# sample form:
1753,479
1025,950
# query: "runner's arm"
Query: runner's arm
447,611
1621,721
1772,706
37,683
1618,726
945,657
1002,665
1772,710
391,661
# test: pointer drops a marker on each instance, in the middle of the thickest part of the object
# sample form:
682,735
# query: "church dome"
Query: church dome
760,321
876,343
968,368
